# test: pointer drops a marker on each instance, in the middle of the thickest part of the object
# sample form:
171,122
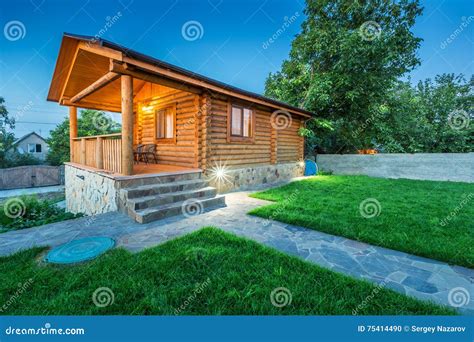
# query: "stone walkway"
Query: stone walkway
412,275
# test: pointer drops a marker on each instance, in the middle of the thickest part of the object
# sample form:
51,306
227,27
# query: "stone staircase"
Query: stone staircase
153,198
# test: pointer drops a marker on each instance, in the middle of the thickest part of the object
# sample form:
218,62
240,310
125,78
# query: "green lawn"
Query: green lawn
208,272
412,216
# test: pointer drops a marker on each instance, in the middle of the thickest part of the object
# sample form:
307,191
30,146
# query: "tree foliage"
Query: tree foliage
10,157
89,122
346,59
434,116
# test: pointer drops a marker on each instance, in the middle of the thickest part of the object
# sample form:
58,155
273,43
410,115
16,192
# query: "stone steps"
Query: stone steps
190,207
171,197
158,197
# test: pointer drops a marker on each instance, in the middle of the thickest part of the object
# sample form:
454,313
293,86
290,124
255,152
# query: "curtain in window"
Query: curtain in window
236,121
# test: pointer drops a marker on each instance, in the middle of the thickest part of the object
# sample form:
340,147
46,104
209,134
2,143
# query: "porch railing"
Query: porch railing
99,151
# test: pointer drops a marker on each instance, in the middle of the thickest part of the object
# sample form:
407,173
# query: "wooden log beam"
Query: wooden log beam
93,105
72,129
127,124
126,69
100,83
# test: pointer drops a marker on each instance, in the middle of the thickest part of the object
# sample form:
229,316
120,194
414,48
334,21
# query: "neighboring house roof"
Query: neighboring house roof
70,42
26,136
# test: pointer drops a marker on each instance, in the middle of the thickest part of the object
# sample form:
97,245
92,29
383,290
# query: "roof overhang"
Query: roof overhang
86,60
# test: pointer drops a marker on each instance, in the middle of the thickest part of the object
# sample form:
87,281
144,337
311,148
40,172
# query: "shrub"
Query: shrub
29,211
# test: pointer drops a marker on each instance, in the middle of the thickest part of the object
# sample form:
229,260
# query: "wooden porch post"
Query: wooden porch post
72,130
127,124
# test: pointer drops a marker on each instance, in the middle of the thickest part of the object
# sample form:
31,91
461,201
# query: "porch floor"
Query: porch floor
144,169
140,170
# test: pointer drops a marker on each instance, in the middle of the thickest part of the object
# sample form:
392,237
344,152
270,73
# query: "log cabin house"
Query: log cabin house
208,136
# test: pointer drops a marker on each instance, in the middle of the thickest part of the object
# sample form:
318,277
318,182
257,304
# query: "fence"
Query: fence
430,166
99,151
30,176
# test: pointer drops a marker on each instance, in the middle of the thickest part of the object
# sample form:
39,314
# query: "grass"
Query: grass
208,272
413,217
29,211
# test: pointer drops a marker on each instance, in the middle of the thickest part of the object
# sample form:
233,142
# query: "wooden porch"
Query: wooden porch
103,153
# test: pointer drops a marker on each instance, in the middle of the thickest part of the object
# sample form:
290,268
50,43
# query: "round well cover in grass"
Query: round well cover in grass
79,250
310,168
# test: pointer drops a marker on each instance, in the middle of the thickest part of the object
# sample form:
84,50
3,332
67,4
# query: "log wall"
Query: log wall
151,97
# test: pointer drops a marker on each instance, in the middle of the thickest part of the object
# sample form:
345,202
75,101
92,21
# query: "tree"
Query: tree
89,122
6,138
434,116
344,62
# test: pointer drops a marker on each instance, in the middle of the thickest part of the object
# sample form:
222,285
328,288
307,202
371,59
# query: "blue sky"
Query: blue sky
230,48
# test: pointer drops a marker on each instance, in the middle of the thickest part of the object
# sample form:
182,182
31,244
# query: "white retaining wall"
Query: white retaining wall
457,167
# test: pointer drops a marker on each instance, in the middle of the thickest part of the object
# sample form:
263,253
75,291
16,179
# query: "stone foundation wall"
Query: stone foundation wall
89,192
250,178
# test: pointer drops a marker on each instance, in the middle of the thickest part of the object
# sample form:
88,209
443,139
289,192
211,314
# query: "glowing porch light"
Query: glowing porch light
147,108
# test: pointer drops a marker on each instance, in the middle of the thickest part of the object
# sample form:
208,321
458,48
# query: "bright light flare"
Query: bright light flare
220,173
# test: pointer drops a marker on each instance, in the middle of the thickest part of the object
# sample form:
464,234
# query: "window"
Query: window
34,148
165,123
241,122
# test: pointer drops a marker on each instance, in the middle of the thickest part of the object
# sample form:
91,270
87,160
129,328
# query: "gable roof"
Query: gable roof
26,136
71,41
